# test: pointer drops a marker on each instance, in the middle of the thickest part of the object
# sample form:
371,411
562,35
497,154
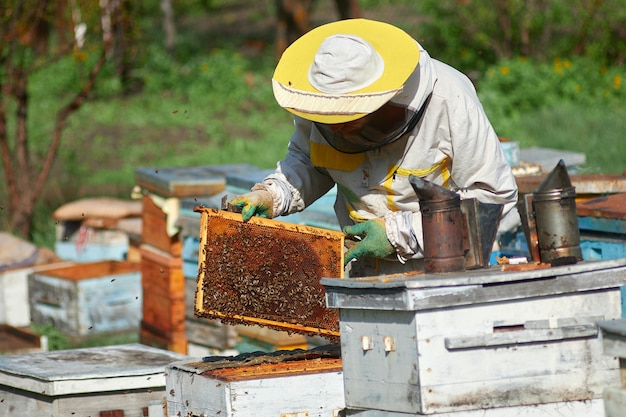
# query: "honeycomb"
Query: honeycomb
266,272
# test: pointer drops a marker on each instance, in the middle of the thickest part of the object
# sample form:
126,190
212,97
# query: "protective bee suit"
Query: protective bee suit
446,139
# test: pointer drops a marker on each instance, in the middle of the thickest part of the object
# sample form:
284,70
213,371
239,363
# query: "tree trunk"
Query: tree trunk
168,24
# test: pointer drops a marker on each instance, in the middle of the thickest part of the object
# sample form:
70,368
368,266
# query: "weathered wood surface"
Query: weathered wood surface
312,388
427,291
87,298
85,381
87,370
593,408
615,402
479,339
429,370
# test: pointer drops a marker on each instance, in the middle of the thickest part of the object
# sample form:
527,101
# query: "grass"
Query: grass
597,132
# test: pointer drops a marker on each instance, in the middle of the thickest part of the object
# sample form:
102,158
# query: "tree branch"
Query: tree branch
62,117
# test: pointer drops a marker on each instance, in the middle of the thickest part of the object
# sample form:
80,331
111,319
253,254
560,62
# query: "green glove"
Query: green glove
255,203
374,242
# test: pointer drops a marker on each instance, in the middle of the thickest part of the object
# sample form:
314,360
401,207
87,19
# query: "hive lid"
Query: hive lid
98,369
197,181
267,272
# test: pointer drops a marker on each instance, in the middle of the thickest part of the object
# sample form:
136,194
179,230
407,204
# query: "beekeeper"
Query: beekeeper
372,107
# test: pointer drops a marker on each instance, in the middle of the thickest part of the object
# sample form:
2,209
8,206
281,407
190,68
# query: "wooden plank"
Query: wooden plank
15,340
211,333
598,184
164,313
162,277
76,272
486,277
174,341
608,206
424,299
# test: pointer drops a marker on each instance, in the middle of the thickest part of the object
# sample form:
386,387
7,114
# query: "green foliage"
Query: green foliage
56,339
575,105
520,85
472,34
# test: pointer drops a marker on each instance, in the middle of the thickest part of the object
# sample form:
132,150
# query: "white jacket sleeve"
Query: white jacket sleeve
296,183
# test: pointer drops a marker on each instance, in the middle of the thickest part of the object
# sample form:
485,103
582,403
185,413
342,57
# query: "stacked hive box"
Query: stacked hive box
163,279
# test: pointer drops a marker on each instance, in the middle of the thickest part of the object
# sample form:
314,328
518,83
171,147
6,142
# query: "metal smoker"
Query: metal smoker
550,221
458,234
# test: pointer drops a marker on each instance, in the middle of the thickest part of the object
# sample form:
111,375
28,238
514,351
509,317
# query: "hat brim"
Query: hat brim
294,92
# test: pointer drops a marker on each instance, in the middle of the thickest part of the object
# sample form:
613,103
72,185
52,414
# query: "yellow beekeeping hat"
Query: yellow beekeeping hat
343,70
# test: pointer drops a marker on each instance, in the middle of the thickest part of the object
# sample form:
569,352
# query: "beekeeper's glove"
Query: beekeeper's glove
373,243
255,203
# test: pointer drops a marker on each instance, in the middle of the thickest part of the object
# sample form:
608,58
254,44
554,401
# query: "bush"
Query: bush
575,105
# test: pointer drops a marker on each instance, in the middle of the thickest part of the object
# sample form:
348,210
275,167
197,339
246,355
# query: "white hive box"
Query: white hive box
124,380
478,340
614,342
295,389
14,301
87,298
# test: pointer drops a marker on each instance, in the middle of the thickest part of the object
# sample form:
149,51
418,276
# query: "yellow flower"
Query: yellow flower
578,88
504,70
204,67
567,63
617,82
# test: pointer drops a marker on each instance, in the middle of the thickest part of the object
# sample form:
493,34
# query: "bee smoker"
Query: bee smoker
458,234
550,221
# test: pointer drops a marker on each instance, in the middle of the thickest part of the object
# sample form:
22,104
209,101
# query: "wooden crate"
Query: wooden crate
163,313
123,380
88,298
296,389
476,340
154,229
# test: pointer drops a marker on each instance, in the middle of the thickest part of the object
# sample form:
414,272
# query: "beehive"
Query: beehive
267,272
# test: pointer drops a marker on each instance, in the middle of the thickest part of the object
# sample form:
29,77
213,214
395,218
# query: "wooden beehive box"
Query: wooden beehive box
123,380
163,320
478,340
87,298
614,343
267,272
300,388
14,300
